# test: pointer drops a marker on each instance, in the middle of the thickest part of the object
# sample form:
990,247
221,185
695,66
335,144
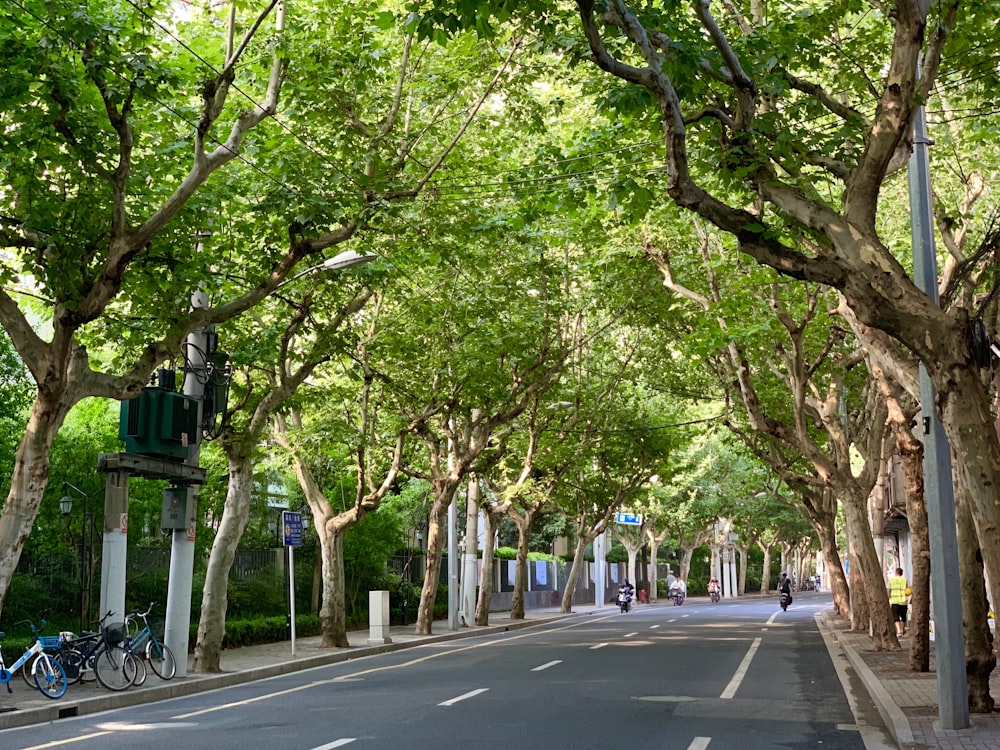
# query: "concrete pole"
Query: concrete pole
453,564
946,602
115,546
470,558
599,569
177,628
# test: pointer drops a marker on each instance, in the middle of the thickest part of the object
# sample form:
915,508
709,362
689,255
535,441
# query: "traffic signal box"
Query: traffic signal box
159,422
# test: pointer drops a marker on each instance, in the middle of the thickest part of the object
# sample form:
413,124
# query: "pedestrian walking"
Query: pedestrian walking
899,597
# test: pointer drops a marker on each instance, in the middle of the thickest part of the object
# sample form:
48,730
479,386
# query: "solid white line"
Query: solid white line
59,743
741,671
470,694
599,645
336,743
699,743
547,665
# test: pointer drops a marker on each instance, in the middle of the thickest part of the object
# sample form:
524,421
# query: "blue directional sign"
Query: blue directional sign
628,519
292,525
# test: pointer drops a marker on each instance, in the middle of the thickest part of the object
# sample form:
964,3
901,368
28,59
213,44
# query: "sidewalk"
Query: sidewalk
906,700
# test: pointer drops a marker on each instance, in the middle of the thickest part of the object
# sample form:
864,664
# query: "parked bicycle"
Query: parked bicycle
47,673
101,655
143,642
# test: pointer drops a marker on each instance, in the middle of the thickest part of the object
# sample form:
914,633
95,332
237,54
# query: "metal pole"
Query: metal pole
949,653
291,591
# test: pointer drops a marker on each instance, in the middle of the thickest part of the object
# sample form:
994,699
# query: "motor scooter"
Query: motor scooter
784,600
624,599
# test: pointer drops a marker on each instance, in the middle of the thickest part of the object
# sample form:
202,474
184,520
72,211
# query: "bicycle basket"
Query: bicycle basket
50,641
115,632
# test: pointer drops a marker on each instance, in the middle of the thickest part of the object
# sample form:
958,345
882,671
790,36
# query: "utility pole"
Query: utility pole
470,557
946,599
453,562
179,584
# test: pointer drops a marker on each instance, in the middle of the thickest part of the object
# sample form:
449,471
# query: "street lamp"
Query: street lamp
406,570
86,548
338,262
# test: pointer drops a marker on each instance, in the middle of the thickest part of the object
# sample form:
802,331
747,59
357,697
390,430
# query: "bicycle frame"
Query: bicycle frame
6,674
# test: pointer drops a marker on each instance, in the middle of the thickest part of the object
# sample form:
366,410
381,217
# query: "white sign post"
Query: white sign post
291,523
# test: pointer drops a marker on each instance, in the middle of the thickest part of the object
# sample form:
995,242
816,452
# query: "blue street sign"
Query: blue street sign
628,519
292,525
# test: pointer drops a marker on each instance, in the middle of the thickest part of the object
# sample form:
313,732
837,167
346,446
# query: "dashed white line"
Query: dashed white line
548,664
741,671
464,696
336,743
653,627
597,646
699,743
629,635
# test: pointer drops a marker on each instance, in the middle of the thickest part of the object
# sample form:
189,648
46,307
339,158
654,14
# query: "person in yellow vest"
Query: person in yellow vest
899,596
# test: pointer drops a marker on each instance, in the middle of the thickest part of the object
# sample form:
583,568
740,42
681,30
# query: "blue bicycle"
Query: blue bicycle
142,643
48,673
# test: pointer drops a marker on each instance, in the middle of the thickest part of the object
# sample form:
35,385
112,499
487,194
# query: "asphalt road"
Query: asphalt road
741,675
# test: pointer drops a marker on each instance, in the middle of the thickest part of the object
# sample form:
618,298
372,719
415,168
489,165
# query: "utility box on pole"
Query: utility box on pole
159,422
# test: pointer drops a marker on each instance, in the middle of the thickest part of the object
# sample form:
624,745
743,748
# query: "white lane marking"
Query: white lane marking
741,671
336,743
470,694
673,620
59,743
540,667
699,743
629,635
653,627
597,646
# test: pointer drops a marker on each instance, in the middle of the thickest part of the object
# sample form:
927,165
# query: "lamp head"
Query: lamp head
66,504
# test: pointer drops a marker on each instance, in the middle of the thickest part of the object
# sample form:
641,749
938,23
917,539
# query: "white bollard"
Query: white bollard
378,617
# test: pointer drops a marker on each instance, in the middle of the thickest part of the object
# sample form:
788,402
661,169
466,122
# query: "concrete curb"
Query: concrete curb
68,707
893,716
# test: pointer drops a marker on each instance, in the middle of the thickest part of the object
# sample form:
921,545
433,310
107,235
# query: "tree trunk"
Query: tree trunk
654,550
27,483
765,573
869,575
332,613
979,657
486,575
966,417
214,598
523,524
744,558
443,492
574,574
911,457
827,533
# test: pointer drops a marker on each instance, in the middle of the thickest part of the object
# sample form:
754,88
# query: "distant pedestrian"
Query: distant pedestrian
899,596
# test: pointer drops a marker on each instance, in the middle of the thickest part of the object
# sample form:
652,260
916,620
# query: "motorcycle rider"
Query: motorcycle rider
625,592
785,587
678,588
714,587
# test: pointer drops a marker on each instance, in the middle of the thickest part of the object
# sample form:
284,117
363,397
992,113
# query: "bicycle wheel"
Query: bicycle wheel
73,663
161,659
140,668
50,677
115,668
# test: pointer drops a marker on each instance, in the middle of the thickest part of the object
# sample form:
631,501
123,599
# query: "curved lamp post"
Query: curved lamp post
86,548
